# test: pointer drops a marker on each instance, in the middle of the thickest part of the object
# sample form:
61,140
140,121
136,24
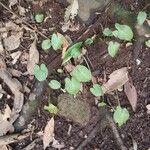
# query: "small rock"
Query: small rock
76,109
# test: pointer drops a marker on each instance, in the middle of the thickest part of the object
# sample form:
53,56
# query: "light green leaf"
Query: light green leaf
40,72
123,32
51,108
102,104
147,43
121,115
89,41
74,51
72,86
39,18
82,74
113,48
57,41
141,17
54,84
107,32
46,44
96,90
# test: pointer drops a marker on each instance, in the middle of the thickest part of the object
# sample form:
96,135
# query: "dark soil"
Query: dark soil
137,127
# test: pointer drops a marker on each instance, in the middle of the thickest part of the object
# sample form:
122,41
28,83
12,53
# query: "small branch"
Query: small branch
29,25
8,139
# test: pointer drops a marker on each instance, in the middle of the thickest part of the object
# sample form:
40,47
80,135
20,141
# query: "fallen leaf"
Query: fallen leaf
14,72
72,10
3,147
13,41
116,79
33,58
1,47
12,3
148,109
15,56
5,124
57,145
48,133
21,10
131,94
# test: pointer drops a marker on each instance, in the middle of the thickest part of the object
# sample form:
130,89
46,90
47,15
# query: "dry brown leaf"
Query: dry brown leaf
48,133
116,79
131,94
4,123
14,72
12,3
3,147
15,56
21,10
33,58
13,41
1,47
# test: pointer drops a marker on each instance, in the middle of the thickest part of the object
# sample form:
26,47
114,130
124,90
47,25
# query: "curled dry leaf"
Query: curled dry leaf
13,41
48,133
15,56
3,147
12,3
131,93
116,79
33,58
5,124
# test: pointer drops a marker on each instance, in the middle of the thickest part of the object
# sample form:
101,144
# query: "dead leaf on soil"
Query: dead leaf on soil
33,58
4,123
3,147
14,72
57,145
48,133
1,47
148,109
13,41
116,79
12,3
15,56
21,10
131,94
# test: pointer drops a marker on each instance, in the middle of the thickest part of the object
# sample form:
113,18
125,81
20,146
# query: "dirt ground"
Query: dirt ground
136,129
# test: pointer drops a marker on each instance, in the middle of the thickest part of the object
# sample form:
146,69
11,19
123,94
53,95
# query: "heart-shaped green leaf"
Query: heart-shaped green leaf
40,72
82,74
96,90
57,41
46,44
107,32
121,115
113,48
39,18
123,32
147,43
54,84
141,17
51,108
72,86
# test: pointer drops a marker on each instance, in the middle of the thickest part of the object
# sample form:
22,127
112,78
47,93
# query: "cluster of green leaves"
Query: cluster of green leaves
55,42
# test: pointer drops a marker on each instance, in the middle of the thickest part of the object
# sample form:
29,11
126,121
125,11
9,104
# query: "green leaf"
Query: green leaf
107,32
123,32
46,44
113,48
72,86
73,51
147,43
40,72
89,41
121,115
102,104
57,41
54,84
82,74
141,17
96,90
39,18
51,108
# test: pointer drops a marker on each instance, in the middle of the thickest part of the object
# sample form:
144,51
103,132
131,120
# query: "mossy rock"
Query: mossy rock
75,109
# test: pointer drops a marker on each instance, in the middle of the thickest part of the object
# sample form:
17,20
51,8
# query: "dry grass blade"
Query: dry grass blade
48,133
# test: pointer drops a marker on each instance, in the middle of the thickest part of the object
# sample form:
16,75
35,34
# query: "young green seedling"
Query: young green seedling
51,108
113,48
96,90
40,72
54,84
147,43
141,17
39,18
107,32
121,115
46,45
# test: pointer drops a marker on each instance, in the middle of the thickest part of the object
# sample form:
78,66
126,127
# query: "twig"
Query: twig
29,25
7,139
